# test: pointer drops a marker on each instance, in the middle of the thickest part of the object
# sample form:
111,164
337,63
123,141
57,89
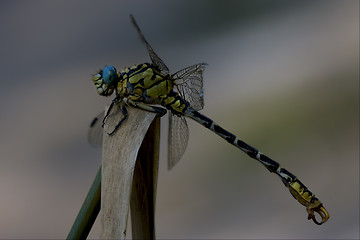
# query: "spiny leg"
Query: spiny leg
115,100
124,112
158,110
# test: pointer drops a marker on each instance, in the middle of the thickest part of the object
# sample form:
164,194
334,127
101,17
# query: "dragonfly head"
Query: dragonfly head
105,80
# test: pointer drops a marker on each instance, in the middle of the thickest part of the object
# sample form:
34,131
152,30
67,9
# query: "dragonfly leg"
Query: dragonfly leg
115,100
124,111
158,110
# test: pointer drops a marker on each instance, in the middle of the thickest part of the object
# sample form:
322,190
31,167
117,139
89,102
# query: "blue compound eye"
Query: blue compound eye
109,75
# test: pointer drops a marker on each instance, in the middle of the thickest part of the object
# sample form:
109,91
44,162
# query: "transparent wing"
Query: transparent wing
95,133
178,139
189,84
154,57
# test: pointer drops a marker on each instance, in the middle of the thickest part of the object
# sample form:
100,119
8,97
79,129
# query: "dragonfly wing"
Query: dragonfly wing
178,139
154,57
95,133
189,84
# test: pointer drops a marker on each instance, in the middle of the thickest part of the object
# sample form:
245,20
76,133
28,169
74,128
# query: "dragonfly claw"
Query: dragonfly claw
320,210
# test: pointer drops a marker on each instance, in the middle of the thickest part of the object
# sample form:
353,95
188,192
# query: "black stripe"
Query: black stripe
206,122
153,76
134,71
252,152
164,78
228,136
176,97
273,166
141,82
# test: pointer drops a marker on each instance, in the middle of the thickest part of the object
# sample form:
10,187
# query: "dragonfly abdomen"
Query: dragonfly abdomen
270,164
175,103
297,189
229,137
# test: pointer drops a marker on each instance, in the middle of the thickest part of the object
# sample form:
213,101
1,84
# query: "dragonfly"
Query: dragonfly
151,87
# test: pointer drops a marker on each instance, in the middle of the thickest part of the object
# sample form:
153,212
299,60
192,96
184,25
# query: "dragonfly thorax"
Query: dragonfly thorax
144,83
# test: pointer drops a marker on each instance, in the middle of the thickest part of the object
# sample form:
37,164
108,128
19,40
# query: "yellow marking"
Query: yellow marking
178,106
168,100
158,90
299,194
138,91
135,78
134,98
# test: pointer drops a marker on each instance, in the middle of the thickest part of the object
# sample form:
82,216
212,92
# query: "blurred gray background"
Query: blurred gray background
282,75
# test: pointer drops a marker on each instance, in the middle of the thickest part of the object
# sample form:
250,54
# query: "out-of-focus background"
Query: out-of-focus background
282,75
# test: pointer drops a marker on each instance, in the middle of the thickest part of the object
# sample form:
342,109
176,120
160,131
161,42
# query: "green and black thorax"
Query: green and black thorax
141,83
